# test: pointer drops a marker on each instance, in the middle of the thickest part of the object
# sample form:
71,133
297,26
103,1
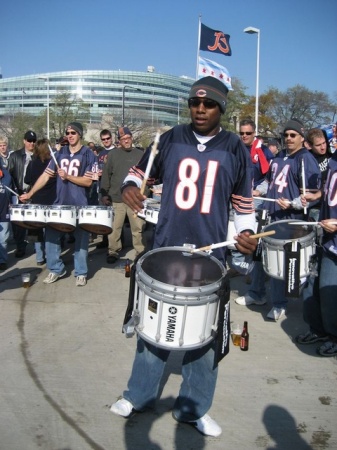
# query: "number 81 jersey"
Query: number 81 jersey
199,182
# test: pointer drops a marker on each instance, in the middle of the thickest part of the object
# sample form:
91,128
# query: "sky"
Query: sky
297,38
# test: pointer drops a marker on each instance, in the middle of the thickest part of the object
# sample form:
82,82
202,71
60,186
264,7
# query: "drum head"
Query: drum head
285,231
181,269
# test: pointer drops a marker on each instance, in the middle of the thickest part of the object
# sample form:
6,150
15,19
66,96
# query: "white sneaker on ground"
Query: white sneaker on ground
52,277
276,313
122,407
247,300
205,425
81,280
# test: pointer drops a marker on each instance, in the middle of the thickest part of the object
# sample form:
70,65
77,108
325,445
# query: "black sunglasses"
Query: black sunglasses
248,133
71,132
292,135
208,104
31,140
106,139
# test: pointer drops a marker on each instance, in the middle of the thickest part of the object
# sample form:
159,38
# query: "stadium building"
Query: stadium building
142,97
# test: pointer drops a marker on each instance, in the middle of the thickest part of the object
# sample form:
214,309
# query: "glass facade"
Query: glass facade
145,97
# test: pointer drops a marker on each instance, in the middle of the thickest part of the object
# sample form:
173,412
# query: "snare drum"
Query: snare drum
273,258
96,219
34,216
176,298
61,218
150,212
16,214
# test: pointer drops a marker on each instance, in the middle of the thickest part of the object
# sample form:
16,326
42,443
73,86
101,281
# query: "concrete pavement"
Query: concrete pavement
64,361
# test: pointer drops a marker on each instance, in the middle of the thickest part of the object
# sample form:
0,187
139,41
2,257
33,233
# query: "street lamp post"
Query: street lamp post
47,80
178,110
152,109
126,86
252,30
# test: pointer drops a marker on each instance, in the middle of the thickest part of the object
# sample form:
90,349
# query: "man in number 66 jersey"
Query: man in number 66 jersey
203,168
74,177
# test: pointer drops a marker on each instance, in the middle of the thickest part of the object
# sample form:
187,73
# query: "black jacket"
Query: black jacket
16,166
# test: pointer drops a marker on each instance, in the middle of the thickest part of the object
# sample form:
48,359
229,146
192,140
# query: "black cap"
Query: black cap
210,87
30,136
295,125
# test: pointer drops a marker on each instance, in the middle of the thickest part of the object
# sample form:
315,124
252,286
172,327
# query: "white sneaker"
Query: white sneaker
81,280
276,313
246,300
52,277
205,425
122,407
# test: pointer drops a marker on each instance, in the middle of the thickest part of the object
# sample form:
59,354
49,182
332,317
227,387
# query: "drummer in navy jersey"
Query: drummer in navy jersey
74,178
320,291
203,168
285,184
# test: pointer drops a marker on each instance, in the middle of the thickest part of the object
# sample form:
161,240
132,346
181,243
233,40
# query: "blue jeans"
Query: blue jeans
277,293
53,251
39,246
257,289
4,235
196,391
320,299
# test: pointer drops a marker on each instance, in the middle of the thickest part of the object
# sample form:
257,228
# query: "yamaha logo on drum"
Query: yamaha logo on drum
171,324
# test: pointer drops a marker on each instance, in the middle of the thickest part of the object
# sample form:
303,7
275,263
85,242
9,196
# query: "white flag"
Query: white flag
208,68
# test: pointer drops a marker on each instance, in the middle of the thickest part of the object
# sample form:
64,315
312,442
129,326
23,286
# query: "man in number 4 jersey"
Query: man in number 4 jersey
203,168
284,184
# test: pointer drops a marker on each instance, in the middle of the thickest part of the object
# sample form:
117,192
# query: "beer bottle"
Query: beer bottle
127,269
244,337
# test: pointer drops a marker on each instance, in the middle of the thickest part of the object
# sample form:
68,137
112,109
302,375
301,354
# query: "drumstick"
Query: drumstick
264,233
303,183
10,190
53,156
150,162
269,199
225,243
317,224
210,247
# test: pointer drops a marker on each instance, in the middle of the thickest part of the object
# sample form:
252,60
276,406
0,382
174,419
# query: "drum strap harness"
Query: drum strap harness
262,221
223,333
292,260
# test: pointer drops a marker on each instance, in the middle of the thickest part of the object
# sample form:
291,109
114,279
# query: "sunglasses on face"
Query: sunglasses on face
106,139
208,104
291,135
248,133
71,132
31,141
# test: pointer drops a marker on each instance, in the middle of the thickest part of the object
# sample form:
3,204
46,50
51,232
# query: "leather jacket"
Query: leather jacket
16,166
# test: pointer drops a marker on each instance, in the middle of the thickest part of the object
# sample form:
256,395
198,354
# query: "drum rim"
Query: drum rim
95,207
174,346
277,242
64,207
179,290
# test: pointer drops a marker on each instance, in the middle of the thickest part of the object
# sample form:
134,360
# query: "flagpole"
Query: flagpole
199,31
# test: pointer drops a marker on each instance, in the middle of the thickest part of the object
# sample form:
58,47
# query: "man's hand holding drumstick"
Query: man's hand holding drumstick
133,198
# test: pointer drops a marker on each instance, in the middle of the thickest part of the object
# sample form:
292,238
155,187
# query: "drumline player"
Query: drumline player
73,178
203,168
284,184
45,196
17,164
5,198
320,291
